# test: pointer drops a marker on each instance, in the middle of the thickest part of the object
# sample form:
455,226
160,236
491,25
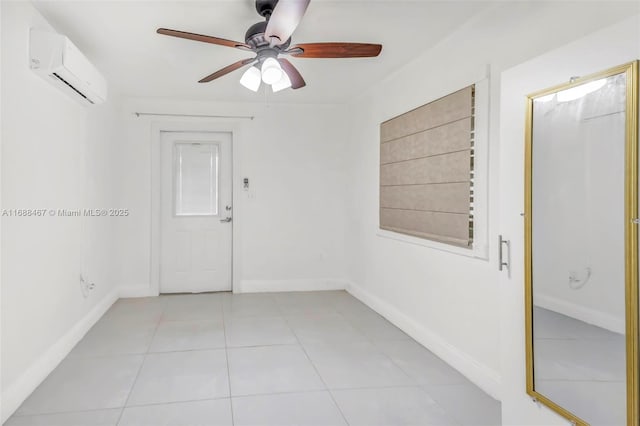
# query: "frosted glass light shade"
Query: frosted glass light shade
271,71
283,83
251,79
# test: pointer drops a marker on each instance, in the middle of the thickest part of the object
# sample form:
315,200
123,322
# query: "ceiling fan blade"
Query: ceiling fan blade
292,72
203,38
335,50
284,20
226,70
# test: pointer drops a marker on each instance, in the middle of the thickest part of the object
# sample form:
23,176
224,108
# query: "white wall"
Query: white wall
578,205
448,301
313,220
615,45
56,154
291,234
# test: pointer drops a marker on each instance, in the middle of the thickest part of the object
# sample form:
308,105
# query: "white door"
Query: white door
196,212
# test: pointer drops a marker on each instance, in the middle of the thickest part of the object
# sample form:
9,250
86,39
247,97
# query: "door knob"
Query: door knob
226,220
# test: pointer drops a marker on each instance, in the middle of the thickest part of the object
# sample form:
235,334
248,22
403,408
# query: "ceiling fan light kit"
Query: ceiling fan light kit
271,71
272,37
251,79
283,83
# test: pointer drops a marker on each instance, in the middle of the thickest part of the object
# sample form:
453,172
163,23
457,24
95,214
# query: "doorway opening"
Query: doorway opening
196,212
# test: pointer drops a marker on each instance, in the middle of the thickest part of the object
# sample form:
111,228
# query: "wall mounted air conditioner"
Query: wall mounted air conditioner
58,60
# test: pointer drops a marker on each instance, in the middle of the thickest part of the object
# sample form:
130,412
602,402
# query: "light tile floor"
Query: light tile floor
317,359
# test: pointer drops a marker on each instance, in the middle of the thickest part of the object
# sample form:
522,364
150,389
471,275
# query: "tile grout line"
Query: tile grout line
144,358
319,376
53,413
222,398
321,390
415,383
444,410
226,354
373,343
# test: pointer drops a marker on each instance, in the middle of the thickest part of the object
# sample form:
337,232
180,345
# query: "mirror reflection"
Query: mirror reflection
578,249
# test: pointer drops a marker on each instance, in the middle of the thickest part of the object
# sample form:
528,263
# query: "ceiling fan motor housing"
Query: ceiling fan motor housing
265,7
255,38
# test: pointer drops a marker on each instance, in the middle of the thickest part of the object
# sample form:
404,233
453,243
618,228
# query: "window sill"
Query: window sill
478,251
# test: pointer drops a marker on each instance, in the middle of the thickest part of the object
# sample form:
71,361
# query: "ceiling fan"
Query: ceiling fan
271,38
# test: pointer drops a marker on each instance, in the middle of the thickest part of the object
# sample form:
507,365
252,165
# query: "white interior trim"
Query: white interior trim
160,114
156,133
483,376
436,245
49,360
264,286
581,313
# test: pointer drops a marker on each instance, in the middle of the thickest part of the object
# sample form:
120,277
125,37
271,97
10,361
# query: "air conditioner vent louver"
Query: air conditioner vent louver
72,88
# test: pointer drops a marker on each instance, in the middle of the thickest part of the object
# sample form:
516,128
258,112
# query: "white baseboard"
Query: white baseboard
581,313
251,286
484,377
262,286
126,292
31,379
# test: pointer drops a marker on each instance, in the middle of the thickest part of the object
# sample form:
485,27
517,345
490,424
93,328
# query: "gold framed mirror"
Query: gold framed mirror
581,247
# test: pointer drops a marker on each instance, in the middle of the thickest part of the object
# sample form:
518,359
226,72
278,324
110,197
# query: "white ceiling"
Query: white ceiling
120,38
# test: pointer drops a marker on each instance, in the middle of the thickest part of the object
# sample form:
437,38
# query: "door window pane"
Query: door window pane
196,179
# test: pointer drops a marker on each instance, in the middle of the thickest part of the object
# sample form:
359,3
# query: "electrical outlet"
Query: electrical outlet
86,287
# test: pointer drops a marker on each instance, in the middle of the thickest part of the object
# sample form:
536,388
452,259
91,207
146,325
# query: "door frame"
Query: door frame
157,129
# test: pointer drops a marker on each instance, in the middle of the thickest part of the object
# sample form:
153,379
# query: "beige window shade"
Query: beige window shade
426,170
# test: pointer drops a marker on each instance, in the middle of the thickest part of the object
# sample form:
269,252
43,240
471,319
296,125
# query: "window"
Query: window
196,179
426,170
